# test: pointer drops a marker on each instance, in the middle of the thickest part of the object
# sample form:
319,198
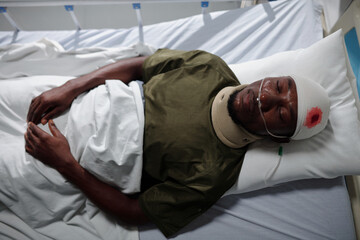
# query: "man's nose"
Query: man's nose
269,100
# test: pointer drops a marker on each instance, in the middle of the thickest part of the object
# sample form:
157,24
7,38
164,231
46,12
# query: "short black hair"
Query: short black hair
230,107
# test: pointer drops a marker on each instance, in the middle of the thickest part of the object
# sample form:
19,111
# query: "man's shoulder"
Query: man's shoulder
191,55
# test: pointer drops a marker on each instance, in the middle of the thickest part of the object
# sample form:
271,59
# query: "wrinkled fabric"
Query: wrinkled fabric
105,131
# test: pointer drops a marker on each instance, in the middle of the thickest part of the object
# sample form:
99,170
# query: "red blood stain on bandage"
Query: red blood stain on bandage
313,117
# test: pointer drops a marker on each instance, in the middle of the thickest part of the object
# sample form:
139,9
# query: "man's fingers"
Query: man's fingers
49,115
33,105
28,140
29,146
29,150
37,114
29,136
36,131
53,129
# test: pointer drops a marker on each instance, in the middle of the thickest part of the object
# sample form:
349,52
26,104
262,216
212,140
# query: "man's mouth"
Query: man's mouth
249,101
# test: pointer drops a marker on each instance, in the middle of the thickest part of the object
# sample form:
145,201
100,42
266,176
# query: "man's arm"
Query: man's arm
54,151
125,70
55,101
104,196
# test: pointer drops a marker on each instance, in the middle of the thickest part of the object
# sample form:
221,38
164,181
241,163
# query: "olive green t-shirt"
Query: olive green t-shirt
181,150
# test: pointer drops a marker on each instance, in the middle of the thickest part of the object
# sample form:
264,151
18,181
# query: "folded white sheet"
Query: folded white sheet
105,132
46,57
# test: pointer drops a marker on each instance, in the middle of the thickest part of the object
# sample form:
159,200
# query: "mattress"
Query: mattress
307,209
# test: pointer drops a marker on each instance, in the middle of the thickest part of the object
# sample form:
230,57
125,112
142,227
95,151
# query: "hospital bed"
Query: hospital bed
304,209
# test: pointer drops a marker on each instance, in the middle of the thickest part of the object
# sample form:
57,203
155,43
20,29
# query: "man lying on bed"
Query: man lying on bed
193,148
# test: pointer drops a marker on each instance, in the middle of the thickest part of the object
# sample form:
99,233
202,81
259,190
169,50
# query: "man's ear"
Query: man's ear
280,140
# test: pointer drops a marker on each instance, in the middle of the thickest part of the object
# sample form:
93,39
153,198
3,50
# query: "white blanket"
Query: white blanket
105,132
45,205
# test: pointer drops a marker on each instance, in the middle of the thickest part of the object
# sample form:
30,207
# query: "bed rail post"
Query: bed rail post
3,10
137,7
204,6
70,9
246,3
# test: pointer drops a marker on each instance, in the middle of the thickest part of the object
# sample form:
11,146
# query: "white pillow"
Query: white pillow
333,152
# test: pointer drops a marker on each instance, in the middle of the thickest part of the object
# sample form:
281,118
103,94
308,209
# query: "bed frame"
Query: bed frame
79,10
347,21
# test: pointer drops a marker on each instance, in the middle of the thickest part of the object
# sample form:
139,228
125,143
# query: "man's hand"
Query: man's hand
50,104
53,151
53,102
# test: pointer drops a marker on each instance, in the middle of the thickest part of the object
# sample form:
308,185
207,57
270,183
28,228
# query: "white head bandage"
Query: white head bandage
313,108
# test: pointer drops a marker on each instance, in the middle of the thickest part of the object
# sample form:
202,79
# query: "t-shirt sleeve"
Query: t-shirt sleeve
165,60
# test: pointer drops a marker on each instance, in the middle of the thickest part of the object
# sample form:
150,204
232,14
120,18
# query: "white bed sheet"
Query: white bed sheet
237,36
311,209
